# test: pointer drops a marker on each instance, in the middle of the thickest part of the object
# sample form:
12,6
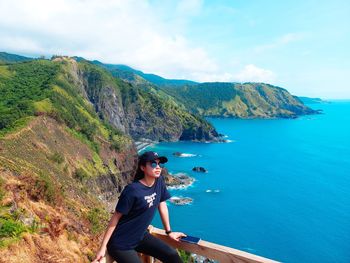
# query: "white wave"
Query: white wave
212,191
180,187
187,155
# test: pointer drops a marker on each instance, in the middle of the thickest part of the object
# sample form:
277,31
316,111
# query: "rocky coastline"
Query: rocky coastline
178,181
180,200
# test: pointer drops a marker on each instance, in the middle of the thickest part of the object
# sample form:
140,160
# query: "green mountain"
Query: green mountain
219,99
12,58
127,108
247,100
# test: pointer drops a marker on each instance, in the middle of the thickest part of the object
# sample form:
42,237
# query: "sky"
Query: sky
302,46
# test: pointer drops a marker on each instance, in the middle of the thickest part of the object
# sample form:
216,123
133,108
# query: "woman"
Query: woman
127,233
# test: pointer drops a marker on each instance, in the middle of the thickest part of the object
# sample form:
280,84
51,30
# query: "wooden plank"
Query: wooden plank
211,250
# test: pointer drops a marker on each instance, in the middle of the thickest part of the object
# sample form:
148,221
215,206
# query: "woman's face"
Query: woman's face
150,171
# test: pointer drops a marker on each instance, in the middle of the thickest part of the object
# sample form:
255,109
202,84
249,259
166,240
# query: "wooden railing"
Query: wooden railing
207,249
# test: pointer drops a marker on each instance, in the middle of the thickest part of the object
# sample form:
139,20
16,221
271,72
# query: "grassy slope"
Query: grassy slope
248,100
53,146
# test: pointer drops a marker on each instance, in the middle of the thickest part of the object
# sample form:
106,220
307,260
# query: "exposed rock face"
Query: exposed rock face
105,98
199,135
108,186
111,105
140,114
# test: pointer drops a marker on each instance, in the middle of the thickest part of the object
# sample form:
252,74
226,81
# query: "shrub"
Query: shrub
57,157
11,228
48,188
98,219
185,256
80,174
41,187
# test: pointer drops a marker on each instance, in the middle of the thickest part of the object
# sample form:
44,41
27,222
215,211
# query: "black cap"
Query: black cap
151,156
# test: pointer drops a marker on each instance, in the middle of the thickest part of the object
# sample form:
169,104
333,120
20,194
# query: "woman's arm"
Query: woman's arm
110,228
164,215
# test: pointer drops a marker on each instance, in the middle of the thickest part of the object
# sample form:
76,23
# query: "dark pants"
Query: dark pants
150,245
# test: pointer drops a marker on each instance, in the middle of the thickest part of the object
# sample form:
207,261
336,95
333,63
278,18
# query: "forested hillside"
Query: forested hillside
247,100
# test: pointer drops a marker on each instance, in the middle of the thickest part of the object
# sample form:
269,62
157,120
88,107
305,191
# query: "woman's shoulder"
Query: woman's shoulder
162,178
130,188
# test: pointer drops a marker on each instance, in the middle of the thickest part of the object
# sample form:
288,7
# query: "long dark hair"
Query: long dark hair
139,173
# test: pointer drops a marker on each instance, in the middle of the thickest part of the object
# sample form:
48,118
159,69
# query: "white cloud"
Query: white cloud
255,74
250,73
127,32
280,41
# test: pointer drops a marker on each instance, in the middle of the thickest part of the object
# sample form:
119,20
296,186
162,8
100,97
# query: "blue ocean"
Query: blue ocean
279,189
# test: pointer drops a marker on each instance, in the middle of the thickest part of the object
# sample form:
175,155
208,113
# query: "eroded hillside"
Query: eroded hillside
54,191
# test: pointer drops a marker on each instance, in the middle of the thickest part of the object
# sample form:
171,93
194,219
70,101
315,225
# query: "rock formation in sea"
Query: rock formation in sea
180,200
177,181
199,169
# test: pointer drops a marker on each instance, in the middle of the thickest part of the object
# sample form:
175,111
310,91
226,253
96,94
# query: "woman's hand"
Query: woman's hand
176,235
100,255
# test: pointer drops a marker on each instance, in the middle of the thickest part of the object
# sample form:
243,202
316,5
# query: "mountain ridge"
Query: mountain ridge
241,100
255,100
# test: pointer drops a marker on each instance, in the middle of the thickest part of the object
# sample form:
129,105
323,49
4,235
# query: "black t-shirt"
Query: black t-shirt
138,204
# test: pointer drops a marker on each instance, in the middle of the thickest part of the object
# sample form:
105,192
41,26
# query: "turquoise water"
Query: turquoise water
283,186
